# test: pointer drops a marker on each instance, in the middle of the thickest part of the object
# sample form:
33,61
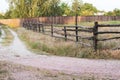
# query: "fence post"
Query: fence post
42,28
39,27
27,26
95,33
33,26
76,31
65,33
36,27
52,30
30,25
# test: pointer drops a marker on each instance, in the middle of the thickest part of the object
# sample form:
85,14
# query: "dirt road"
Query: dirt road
18,54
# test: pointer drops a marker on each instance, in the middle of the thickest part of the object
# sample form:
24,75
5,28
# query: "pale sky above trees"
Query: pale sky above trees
3,5
107,5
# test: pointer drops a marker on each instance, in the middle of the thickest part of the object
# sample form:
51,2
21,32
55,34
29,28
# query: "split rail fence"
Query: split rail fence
73,32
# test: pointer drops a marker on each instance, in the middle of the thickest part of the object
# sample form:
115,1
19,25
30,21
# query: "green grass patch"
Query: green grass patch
99,22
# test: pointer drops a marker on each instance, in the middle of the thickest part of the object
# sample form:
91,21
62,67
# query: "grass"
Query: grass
8,38
88,24
99,22
45,44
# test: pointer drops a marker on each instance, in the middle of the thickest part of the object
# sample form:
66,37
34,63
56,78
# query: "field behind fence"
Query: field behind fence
59,20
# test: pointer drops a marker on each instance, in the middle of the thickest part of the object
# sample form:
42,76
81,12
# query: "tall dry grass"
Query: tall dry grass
45,44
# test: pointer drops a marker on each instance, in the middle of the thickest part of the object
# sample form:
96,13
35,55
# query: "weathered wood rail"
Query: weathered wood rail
96,33
64,32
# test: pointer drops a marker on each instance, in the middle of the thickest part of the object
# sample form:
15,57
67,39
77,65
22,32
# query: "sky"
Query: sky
3,6
106,5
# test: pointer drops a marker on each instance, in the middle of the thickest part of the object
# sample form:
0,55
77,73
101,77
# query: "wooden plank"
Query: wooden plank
82,30
52,30
83,27
109,25
42,28
81,37
107,32
108,39
88,38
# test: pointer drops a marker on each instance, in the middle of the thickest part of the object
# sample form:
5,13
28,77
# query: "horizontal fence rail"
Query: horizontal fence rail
109,25
108,39
108,32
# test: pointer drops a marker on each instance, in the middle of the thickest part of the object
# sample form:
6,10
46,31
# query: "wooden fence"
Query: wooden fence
71,19
96,33
59,20
73,31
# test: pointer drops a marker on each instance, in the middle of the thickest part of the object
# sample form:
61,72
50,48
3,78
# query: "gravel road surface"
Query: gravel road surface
17,53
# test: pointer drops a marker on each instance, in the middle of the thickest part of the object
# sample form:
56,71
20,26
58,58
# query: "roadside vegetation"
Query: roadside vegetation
8,36
46,44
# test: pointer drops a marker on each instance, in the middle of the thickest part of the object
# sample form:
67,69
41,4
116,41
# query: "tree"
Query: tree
53,8
34,8
88,9
17,9
65,9
115,12
76,7
37,8
109,13
1,16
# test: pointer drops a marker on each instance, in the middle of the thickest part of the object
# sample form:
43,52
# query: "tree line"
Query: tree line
38,8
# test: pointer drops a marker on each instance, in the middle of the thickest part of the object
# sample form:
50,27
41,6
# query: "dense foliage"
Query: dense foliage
1,16
115,12
37,8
